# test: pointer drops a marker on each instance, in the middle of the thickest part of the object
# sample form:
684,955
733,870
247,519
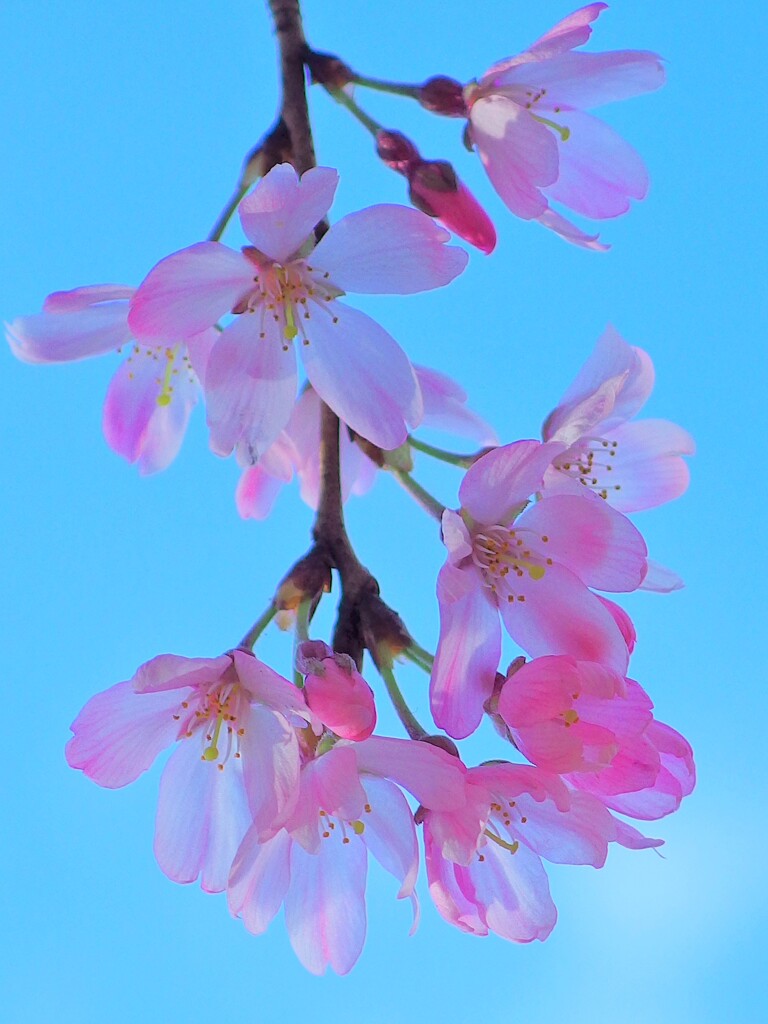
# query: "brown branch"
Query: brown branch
361,610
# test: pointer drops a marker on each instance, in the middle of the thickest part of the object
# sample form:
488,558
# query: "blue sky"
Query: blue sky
125,124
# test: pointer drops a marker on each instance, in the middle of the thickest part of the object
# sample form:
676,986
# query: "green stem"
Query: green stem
226,214
394,88
346,101
404,713
424,498
301,633
419,655
258,627
465,461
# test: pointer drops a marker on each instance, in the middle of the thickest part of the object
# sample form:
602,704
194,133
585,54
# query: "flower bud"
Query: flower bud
335,691
328,70
436,190
397,151
306,581
443,95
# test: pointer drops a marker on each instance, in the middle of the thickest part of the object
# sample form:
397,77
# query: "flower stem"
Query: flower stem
419,656
301,633
347,101
465,461
424,498
381,85
404,713
258,627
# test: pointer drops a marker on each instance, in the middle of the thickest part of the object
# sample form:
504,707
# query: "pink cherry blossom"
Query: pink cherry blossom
236,764
284,287
297,449
152,394
533,566
484,860
674,774
527,121
349,805
335,691
633,465
566,715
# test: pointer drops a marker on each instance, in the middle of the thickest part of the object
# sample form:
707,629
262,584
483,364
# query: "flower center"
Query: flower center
288,296
213,716
176,361
591,462
507,561
332,826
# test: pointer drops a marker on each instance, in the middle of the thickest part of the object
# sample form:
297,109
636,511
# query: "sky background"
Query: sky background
124,127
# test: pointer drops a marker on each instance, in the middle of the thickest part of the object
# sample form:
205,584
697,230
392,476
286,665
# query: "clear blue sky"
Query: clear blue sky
124,126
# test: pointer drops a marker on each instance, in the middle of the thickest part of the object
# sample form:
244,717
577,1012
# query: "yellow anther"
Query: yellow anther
358,827
570,717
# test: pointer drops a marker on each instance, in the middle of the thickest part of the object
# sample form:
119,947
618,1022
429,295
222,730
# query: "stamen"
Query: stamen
562,131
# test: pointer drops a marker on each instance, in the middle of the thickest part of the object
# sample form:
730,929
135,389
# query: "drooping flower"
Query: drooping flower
632,464
236,764
298,447
484,859
349,805
283,287
335,691
527,120
534,567
151,396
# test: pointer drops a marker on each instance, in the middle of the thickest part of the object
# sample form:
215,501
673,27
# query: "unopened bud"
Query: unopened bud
328,70
397,151
436,190
443,95
335,691
306,581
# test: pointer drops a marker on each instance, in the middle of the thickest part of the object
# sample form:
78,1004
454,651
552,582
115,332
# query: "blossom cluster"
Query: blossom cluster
278,788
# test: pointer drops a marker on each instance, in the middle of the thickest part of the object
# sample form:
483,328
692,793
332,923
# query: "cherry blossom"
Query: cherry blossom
632,465
484,860
236,764
151,396
349,805
527,120
533,566
283,287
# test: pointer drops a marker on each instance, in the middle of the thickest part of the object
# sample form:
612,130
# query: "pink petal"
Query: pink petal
390,834
468,651
325,905
519,154
621,617
250,386
611,358
451,889
269,752
514,890
283,209
256,493
632,839
388,250
586,80
495,486
188,291
570,422
143,421
587,536
259,880
599,171
648,470
445,408
660,579
363,375
560,616
267,686
63,337
173,671
202,816
435,777
78,299
119,733
459,832
568,231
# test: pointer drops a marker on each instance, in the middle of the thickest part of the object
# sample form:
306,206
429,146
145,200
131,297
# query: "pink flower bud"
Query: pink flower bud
436,190
335,691
443,95
397,151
